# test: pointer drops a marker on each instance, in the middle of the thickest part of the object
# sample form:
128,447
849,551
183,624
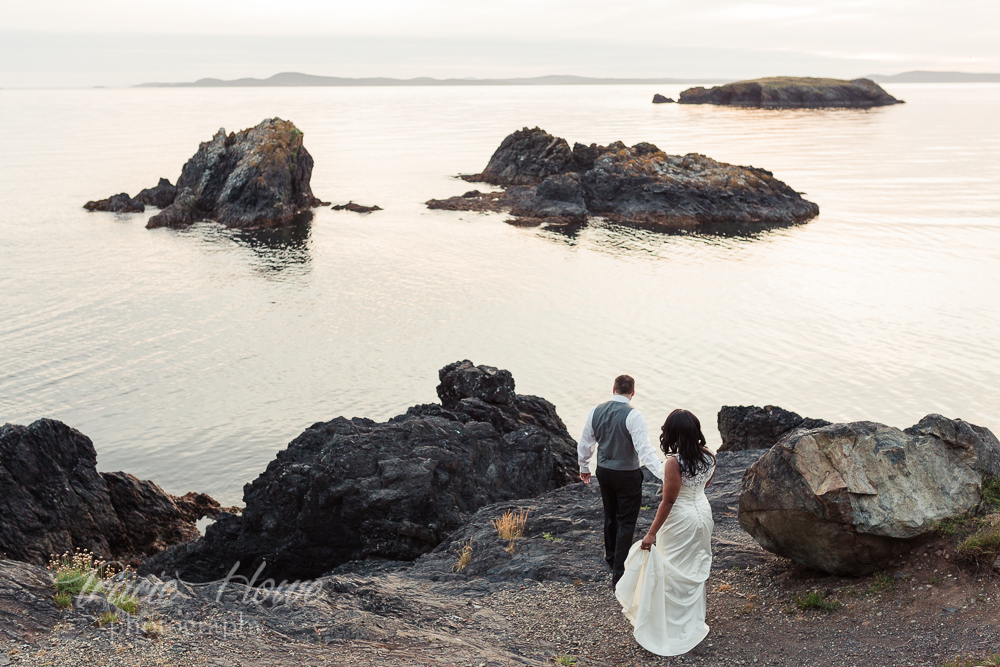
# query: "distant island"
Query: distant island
924,76
788,92
299,79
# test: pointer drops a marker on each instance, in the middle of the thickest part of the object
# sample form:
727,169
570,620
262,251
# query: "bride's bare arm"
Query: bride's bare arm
712,476
671,487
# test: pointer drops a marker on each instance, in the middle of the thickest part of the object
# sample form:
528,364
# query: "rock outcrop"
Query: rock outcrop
160,196
355,208
120,203
847,498
546,180
660,99
750,427
350,489
782,92
257,177
53,500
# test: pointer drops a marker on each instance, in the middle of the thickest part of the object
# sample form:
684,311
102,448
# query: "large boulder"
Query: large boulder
257,177
53,500
351,489
750,427
847,498
783,92
545,181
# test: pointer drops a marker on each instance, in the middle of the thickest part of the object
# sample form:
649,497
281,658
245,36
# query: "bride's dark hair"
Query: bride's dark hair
682,436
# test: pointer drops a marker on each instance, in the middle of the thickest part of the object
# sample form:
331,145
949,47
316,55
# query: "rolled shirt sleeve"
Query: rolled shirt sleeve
636,425
588,443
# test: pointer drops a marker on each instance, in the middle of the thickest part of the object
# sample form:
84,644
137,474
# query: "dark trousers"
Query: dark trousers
621,491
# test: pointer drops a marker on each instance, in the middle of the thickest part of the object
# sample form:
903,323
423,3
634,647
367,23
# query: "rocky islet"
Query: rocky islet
783,92
545,180
258,177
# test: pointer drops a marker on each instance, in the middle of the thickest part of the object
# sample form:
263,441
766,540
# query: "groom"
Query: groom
619,433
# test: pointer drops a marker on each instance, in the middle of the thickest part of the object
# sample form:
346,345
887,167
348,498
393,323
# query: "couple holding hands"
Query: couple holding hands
660,580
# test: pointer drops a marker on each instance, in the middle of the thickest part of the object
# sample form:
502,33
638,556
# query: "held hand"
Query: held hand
585,477
648,541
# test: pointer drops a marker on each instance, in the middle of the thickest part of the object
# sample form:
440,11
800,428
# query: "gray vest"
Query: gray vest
615,450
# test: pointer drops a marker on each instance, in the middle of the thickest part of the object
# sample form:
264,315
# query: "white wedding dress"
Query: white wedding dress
663,590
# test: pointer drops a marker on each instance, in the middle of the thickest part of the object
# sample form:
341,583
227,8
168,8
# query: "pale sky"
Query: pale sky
124,42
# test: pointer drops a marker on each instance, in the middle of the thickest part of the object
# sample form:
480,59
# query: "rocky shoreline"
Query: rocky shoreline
549,601
369,543
546,181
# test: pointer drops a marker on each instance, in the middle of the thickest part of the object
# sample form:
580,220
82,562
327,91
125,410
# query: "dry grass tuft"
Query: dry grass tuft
154,628
510,527
984,544
991,661
464,557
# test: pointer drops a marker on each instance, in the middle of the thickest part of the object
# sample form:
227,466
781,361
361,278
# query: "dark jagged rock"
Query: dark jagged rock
546,181
160,196
356,208
352,488
526,157
257,177
749,427
792,92
152,519
847,498
120,203
53,500
660,99
559,197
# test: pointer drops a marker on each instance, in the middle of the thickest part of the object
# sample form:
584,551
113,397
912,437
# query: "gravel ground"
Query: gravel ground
550,603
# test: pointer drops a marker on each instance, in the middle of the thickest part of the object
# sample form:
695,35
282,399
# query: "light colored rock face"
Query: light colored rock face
846,498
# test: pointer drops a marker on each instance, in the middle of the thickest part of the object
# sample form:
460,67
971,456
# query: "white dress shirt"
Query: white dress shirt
636,425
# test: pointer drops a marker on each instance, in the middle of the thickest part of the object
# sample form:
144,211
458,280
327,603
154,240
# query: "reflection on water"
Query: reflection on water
649,240
191,356
276,252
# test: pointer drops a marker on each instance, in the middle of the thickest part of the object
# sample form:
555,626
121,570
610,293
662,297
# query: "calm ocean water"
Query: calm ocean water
191,357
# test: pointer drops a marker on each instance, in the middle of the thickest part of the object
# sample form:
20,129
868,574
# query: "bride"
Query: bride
663,589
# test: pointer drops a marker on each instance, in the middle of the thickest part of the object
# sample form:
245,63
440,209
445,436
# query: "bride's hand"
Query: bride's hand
648,541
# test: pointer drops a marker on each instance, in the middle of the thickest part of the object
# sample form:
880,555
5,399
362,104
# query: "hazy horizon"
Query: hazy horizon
114,43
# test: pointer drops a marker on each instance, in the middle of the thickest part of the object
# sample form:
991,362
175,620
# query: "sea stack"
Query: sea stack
254,178
257,177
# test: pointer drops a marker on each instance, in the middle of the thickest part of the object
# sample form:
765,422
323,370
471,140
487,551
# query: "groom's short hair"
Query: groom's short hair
624,385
